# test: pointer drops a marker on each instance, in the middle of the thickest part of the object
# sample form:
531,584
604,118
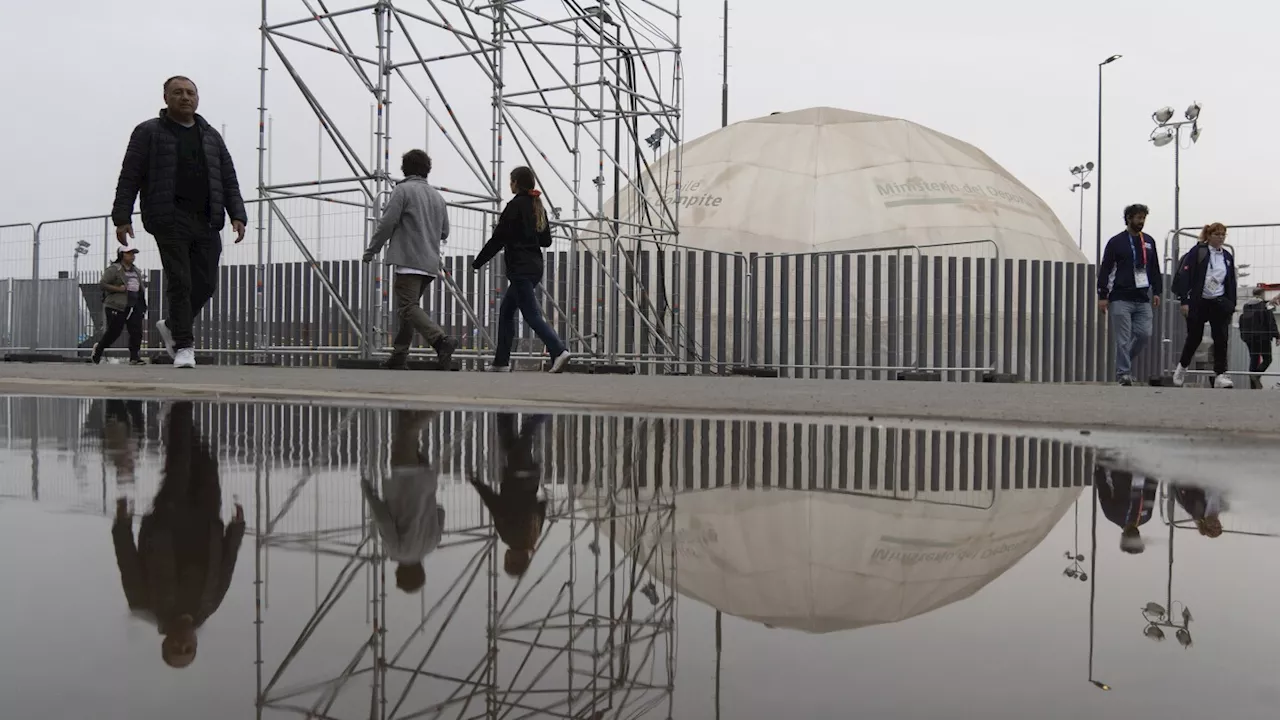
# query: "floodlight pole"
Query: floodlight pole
1097,244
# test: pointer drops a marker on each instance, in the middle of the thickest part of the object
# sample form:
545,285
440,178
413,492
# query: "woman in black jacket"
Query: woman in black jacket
1206,289
522,231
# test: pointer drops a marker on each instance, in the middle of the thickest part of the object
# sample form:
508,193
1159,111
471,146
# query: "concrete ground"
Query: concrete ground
1238,412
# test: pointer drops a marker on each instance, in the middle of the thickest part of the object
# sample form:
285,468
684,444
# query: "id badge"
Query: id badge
1140,279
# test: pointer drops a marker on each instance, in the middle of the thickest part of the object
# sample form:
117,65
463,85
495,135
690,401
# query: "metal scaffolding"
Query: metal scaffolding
585,633
577,91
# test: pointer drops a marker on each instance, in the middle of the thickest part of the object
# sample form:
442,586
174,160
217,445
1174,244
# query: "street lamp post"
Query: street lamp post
1167,132
1097,244
1081,174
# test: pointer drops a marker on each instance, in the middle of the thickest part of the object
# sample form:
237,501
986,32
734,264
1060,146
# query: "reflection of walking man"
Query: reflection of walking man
408,517
181,166
1128,500
181,567
1129,286
518,508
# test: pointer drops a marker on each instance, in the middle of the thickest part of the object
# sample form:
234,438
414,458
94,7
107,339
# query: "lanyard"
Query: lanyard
1141,243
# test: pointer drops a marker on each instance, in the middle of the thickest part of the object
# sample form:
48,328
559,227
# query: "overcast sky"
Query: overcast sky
1016,79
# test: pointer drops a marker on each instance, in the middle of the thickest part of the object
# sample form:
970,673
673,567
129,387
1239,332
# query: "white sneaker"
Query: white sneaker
560,362
1179,376
166,337
185,358
498,368
1222,382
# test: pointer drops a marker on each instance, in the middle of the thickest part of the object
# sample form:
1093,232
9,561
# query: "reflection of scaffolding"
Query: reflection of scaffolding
566,84
582,634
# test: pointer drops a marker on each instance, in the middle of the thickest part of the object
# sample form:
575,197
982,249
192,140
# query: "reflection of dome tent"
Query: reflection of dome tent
823,179
828,561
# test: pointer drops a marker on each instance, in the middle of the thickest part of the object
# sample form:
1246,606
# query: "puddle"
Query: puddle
638,567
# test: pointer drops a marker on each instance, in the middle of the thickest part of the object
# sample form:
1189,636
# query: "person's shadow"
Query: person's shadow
519,513
178,572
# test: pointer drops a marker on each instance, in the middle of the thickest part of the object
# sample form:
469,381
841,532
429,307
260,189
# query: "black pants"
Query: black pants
117,321
1259,359
1218,314
190,258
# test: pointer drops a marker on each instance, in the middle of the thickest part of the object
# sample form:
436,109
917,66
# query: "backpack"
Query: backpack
1253,320
1186,269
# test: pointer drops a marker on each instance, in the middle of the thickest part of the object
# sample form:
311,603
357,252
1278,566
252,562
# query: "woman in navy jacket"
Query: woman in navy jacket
1206,288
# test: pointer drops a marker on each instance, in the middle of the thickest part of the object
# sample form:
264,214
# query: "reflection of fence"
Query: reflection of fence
304,297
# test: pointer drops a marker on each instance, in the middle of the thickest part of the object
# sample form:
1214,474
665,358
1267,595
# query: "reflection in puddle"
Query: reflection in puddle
466,564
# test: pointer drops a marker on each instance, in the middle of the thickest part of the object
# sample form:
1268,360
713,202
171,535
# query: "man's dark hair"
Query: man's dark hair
176,78
415,162
1135,209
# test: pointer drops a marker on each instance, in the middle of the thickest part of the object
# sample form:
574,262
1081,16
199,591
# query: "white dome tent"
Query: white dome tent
827,561
823,179
815,192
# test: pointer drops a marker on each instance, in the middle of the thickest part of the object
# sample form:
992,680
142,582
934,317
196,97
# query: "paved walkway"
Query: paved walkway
1063,406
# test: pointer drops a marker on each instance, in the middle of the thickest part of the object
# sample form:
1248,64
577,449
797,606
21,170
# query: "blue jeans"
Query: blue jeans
1131,322
520,297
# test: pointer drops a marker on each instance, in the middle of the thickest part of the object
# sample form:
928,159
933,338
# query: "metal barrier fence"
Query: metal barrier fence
303,297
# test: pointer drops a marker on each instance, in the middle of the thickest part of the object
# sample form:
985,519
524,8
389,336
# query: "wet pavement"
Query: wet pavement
224,560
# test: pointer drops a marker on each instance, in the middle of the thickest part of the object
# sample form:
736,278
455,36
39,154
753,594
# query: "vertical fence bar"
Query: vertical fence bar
1046,346
861,314
1091,326
981,305
1037,321
722,309
801,356
966,317
877,318
846,290
784,314
815,333
894,331
922,311
908,328
830,305
952,310
769,321
1023,309
1069,323
939,294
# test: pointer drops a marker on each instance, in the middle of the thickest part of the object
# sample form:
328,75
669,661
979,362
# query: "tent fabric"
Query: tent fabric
823,561
828,180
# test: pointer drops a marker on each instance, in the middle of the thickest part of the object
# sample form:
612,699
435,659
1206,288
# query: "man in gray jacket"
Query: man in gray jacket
416,221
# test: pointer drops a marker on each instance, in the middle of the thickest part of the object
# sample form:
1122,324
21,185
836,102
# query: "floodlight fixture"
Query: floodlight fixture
1163,115
1160,138
1193,111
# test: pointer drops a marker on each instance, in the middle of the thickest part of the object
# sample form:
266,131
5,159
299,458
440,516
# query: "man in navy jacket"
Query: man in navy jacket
1129,287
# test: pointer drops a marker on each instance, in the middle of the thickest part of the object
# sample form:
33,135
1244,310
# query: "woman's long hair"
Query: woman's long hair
1210,229
526,182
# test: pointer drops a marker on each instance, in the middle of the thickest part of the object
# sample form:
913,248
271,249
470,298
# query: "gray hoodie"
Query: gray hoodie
416,221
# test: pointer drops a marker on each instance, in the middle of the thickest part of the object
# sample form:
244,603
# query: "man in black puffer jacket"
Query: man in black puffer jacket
181,166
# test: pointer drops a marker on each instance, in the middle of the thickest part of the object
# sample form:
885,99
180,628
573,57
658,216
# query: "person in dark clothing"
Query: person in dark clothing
1206,286
519,512
522,231
1130,284
1127,500
1259,332
184,172
1204,506
181,567
125,305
